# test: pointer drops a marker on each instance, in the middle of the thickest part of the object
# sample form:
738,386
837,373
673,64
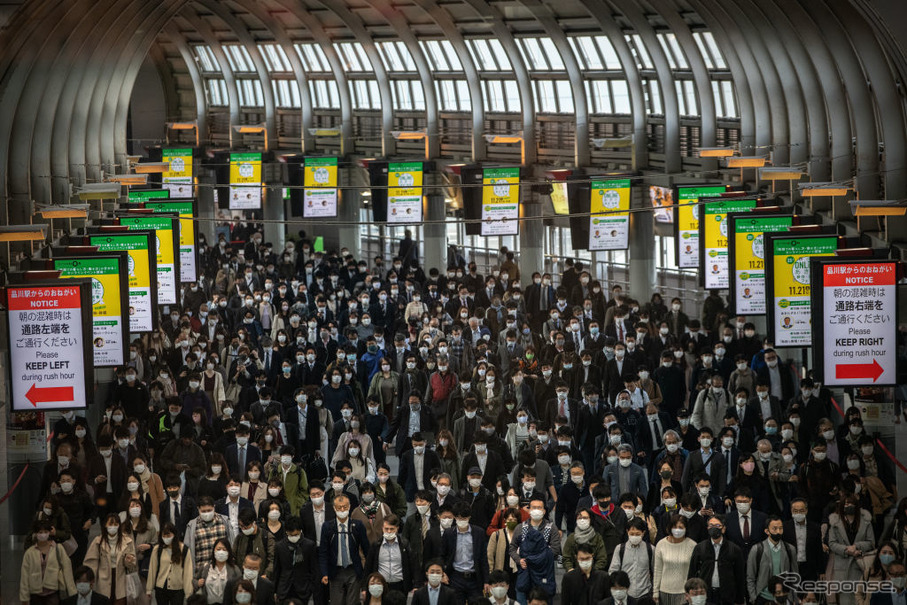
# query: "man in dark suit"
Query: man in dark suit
443,595
84,579
233,504
315,513
251,570
589,423
296,569
241,453
386,552
487,460
416,465
302,426
562,402
777,375
706,459
620,584
615,371
650,434
177,509
745,527
807,537
466,568
730,588
344,545
404,426
539,299
584,585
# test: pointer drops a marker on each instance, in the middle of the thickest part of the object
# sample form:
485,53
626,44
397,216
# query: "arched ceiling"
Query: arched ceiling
818,83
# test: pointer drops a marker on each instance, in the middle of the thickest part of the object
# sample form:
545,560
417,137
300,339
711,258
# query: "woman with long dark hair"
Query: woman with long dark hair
169,569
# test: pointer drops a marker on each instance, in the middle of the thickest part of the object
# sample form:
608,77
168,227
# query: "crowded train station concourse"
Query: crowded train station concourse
453,302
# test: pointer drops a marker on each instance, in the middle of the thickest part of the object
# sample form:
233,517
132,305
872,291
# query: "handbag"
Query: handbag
70,546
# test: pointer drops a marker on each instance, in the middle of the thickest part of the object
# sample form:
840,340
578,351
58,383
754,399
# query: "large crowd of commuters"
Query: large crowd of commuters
308,425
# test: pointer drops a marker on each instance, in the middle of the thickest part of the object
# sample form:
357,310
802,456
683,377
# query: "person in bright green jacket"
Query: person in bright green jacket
293,477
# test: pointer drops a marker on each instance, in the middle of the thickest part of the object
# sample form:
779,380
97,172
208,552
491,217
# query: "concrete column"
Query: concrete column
348,213
531,255
272,209
434,244
206,209
642,248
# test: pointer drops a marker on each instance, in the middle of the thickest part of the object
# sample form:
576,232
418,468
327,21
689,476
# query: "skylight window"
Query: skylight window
541,54
286,94
325,94
216,89
354,57
239,58
489,54
250,93
365,94
206,58
453,95
709,49
595,53
313,58
643,60
275,58
502,96
441,55
396,56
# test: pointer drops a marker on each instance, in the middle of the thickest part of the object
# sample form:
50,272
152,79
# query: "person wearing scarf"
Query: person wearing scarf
584,534
371,512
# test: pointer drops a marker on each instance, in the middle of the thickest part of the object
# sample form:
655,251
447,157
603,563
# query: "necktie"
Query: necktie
656,440
424,525
176,512
746,527
576,340
241,459
543,303
620,331
562,408
344,547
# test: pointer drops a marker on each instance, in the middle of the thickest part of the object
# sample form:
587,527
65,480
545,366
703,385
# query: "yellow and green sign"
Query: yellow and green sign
687,221
404,195
714,262
245,181
609,221
109,329
790,312
186,211
500,201
320,193
165,250
178,181
748,253
140,266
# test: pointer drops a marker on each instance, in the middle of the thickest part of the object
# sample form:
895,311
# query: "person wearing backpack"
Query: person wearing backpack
771,557
170,569
635,557
252,540
720,564
536,544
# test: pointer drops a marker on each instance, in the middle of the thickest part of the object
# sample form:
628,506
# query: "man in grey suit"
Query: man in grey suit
771,557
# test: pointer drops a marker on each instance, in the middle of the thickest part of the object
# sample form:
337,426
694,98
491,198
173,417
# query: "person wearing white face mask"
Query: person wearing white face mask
111,556
777,375
711,404
587,582
142,528
170,569
671,563
203,531
742,377
389,558
632,564
344,545
584,534
540,553
233,504
296,568
626,476
220,569
46,569
434,592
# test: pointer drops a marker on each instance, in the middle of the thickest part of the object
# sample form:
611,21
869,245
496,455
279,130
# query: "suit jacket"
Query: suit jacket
297,580
694,466
221,508
636,481
644,434
264,592
118,472
815,554
307,517
878,598
787,379
447,596
552,406
758,523
328,549
374,552
231,454
576,589
407,476
188,511
614,379
480,554
399,432
731,568
589,426
307,444
494,468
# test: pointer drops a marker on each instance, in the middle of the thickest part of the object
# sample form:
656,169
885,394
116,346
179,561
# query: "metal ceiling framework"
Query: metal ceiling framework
817,83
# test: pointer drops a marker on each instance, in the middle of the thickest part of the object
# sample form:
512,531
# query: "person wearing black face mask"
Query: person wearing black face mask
719,562
850,535
771,557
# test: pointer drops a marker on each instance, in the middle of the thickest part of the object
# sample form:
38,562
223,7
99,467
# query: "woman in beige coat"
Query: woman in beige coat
111,556
499,545
151,483
51,581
